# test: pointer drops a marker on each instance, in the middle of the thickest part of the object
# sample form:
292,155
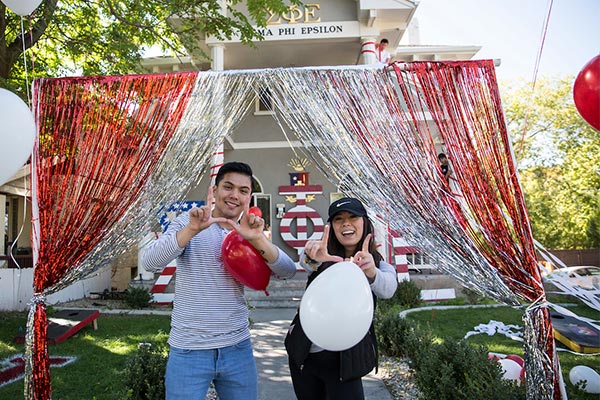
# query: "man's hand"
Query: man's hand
364,259
200,219
317,249
251,227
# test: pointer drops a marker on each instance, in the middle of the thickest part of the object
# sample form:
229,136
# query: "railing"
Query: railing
22,261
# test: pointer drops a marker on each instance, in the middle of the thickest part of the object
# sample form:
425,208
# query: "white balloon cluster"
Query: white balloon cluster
17,134
22,7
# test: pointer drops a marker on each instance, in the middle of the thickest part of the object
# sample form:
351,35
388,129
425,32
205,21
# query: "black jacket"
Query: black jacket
355,362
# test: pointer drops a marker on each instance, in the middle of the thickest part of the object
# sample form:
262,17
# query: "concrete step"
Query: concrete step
274,302
273,292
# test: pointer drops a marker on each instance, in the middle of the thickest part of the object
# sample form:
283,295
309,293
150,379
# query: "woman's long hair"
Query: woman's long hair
335,247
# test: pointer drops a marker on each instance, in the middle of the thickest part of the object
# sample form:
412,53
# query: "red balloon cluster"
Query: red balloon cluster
244,262
586,92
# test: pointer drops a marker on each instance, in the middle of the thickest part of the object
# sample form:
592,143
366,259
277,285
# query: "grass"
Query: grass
102,354
456,323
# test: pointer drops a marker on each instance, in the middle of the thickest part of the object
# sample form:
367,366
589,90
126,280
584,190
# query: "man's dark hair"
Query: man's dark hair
441,155
384,41
234,166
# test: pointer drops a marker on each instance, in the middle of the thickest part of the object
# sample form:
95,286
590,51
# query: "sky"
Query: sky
512,31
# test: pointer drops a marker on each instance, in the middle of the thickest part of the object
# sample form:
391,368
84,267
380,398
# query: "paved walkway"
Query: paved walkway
274,382
268,331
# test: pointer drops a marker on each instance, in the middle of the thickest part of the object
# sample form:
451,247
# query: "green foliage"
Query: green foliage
558,163
472,296
399,337
109,37
408,295
456,370
137,297
145,371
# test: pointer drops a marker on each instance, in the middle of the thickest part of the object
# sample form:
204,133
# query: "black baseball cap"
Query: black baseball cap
349,204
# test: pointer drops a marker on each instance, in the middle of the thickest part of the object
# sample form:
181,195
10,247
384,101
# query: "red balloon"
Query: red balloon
256,211
244,262
586,92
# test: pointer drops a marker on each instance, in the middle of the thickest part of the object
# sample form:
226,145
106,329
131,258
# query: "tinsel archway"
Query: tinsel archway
112,150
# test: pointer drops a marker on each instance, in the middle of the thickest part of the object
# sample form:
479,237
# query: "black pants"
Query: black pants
320,379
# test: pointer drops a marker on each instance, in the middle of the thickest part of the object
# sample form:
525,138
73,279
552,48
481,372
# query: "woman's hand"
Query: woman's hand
317,249
364,259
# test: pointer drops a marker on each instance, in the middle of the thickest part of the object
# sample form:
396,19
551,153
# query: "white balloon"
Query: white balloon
336,310
511,370
22,7
17,134
580,373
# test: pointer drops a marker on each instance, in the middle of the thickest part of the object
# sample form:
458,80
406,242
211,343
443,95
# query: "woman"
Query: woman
322,374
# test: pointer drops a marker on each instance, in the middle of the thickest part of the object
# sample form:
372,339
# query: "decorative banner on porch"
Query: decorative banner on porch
300,192
175,209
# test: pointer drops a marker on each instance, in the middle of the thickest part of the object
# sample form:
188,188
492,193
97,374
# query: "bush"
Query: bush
145,373
456,371
399,337
408,294
137,297
472,296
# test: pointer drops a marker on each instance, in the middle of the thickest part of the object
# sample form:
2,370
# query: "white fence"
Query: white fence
16,288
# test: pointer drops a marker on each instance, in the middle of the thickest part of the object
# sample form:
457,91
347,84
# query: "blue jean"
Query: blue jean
233,370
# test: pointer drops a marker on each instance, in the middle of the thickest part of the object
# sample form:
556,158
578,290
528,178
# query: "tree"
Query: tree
89,37
558,163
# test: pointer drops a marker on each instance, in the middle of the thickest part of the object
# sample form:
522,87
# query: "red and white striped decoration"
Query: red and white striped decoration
158,290
218,159
301,213
399,250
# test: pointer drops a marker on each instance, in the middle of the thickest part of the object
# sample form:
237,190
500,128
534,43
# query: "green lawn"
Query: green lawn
456,323
98,371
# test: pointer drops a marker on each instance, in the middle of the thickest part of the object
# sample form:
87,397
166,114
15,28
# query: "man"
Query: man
445,166
381,54
210,336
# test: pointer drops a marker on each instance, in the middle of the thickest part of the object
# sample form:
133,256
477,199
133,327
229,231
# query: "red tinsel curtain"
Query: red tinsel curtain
99,140
465,105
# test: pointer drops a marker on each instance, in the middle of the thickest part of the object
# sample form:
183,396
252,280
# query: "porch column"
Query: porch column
367,50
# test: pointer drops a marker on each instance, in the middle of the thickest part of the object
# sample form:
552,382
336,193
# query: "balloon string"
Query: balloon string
536,68
25,63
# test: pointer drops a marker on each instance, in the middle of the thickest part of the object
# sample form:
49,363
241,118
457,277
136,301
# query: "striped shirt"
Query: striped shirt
209,309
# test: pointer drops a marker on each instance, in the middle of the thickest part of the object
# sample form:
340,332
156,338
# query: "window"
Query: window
263,201
264,104
420,262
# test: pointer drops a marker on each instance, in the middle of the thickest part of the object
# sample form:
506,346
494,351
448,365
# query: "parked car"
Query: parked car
587,277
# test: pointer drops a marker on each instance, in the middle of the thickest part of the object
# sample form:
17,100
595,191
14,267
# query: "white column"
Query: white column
217,64
217,54
367,50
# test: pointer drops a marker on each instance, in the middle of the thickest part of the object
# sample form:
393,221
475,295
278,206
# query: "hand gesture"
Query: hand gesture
364,259
251,227
201,218
317,249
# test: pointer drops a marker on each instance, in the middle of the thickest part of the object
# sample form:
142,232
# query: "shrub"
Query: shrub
408,294
399,337
145,372
457,370
137,297
472,296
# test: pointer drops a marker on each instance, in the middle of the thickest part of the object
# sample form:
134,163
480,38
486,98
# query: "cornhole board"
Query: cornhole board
577,335
65,323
